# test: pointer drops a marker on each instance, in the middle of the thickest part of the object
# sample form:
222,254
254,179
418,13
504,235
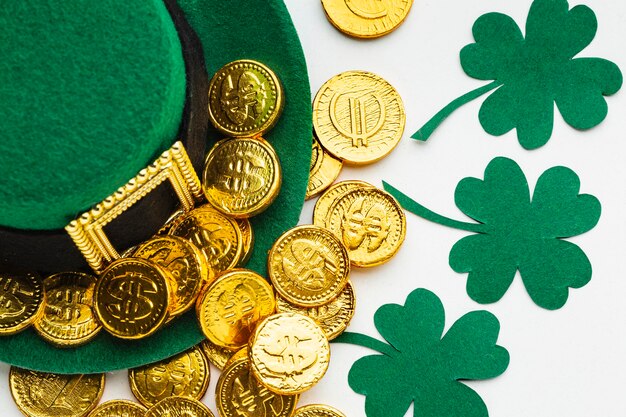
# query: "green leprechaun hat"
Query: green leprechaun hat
92,92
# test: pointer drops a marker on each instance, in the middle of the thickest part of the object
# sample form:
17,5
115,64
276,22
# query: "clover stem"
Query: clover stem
416,208
430,126
369,342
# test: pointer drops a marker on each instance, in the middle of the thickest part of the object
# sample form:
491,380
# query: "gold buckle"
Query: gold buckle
88,230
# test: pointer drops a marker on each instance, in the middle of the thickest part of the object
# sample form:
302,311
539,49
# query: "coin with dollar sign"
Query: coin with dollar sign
308,266
289,353
241,176
131,298
245,99
21,301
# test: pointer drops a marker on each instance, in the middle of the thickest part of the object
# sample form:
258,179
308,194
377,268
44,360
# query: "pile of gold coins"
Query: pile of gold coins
269,339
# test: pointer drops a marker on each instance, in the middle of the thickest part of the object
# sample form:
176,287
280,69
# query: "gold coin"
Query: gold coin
39,394
358,117
325,169
238,393
21,302
248,240
172,221
231,307
289,353
68,319
217,355
333,317
318,410
187,269
179,407
217,236
242,176
324,203
119,408
240,354
131,298
186,374
308,266
245,99
366,18
370,223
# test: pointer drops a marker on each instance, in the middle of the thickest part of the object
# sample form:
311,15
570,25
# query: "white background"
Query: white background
569,362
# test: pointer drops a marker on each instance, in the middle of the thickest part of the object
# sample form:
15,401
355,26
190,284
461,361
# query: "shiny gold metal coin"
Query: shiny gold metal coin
172,221
248,240
68,319
179,407
245,99
21,302
370,223
185,375
366,18
318,410
308,266
186,265
238,393
324,203
217,355
39,394
131,298
240,354
333,317
325,169
231,307
358,117
242,176
289,353
217,236
119,408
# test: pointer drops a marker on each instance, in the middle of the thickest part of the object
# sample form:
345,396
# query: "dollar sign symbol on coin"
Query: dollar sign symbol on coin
290,358
309,263
242,175
131,292
367,9
360,109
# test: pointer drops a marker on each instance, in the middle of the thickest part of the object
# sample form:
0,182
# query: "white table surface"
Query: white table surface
568,362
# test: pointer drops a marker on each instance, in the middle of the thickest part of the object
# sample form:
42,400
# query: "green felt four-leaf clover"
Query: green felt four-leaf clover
420,365
534,72
516,232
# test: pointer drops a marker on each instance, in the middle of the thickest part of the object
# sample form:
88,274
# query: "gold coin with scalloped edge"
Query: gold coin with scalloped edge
242,176
245,99
308,266
68,319
217,355
358,117
289,353
366,18
186,374
370,223
318,410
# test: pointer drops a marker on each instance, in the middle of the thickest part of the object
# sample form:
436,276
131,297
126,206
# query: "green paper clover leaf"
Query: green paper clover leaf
417,365
533,73
516,232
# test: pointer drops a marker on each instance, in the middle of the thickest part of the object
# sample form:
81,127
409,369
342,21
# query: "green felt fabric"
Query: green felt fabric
256,29
535,71
420,364
79,118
